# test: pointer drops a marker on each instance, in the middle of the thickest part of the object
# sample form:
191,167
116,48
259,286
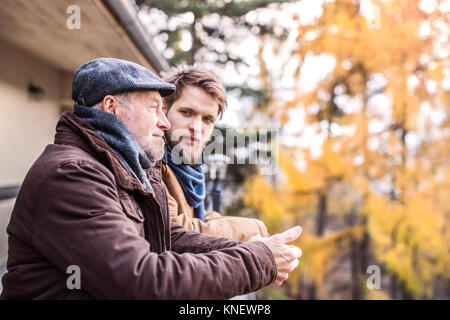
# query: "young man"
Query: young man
192,111
91,219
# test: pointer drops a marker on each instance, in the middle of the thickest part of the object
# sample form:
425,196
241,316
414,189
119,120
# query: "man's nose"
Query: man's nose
196,125
163,123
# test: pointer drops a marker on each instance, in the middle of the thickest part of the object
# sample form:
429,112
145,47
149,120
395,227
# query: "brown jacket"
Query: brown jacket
232,227
79,205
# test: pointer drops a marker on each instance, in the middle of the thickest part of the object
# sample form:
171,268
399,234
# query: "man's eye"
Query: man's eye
186,113
208,120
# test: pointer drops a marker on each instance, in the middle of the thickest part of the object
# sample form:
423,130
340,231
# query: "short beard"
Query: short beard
185,157
144,141
152,154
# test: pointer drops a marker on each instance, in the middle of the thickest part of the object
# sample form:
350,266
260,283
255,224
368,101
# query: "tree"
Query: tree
207,33
208,23
400,57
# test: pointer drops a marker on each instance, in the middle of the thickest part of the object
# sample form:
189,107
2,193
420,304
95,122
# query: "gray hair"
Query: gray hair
125,98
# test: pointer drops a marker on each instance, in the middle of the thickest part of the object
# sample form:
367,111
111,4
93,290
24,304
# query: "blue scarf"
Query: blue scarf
192,181
120,139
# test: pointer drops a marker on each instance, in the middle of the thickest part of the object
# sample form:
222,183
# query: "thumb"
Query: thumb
288,235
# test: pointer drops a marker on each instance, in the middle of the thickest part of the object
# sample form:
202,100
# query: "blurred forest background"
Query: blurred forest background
359,91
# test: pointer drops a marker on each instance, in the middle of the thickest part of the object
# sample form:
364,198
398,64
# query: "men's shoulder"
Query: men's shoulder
55,160
57,156
60,169
168,176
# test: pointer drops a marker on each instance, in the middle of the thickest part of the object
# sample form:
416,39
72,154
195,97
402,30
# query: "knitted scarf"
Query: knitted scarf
119,138
192,181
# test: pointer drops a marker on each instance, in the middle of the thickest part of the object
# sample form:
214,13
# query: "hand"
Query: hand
286,256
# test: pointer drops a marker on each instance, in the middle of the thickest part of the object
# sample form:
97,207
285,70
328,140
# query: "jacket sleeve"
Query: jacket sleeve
184,240
231,227
79,221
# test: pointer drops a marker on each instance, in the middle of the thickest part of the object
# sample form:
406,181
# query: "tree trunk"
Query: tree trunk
320,229
355,270
365,249
321,214
394,289
312,292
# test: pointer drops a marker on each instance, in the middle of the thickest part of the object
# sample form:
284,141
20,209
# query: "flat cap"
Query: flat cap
96,79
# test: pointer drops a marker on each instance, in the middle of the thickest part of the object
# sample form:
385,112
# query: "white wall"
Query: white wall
26,125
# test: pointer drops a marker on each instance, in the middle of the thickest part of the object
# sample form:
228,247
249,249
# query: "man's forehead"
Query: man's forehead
196,98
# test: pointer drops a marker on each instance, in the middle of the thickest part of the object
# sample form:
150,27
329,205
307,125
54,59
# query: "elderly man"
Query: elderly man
93,202
192,111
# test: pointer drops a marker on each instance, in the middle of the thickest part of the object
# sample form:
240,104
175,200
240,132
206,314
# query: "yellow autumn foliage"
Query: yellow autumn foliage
261,196
395,181
319,253
409,239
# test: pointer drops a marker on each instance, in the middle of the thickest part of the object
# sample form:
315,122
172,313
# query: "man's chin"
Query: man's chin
153,157
186,157
155,153
186,152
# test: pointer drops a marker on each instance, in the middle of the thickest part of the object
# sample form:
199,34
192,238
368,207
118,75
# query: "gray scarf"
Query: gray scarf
121,141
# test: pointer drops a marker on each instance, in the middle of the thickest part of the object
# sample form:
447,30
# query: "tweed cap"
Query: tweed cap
96,79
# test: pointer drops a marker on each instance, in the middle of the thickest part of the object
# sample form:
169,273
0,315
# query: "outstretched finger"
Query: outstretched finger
288,235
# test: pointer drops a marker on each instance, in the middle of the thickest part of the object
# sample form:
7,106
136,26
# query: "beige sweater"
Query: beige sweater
236,228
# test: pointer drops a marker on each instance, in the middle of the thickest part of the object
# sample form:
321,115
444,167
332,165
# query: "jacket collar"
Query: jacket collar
165,158
71,130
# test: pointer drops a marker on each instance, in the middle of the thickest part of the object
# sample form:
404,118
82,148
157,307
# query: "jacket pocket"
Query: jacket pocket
131,209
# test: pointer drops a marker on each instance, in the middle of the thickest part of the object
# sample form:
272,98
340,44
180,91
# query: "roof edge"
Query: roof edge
127,15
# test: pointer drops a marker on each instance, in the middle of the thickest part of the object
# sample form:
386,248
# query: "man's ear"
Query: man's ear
109,104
